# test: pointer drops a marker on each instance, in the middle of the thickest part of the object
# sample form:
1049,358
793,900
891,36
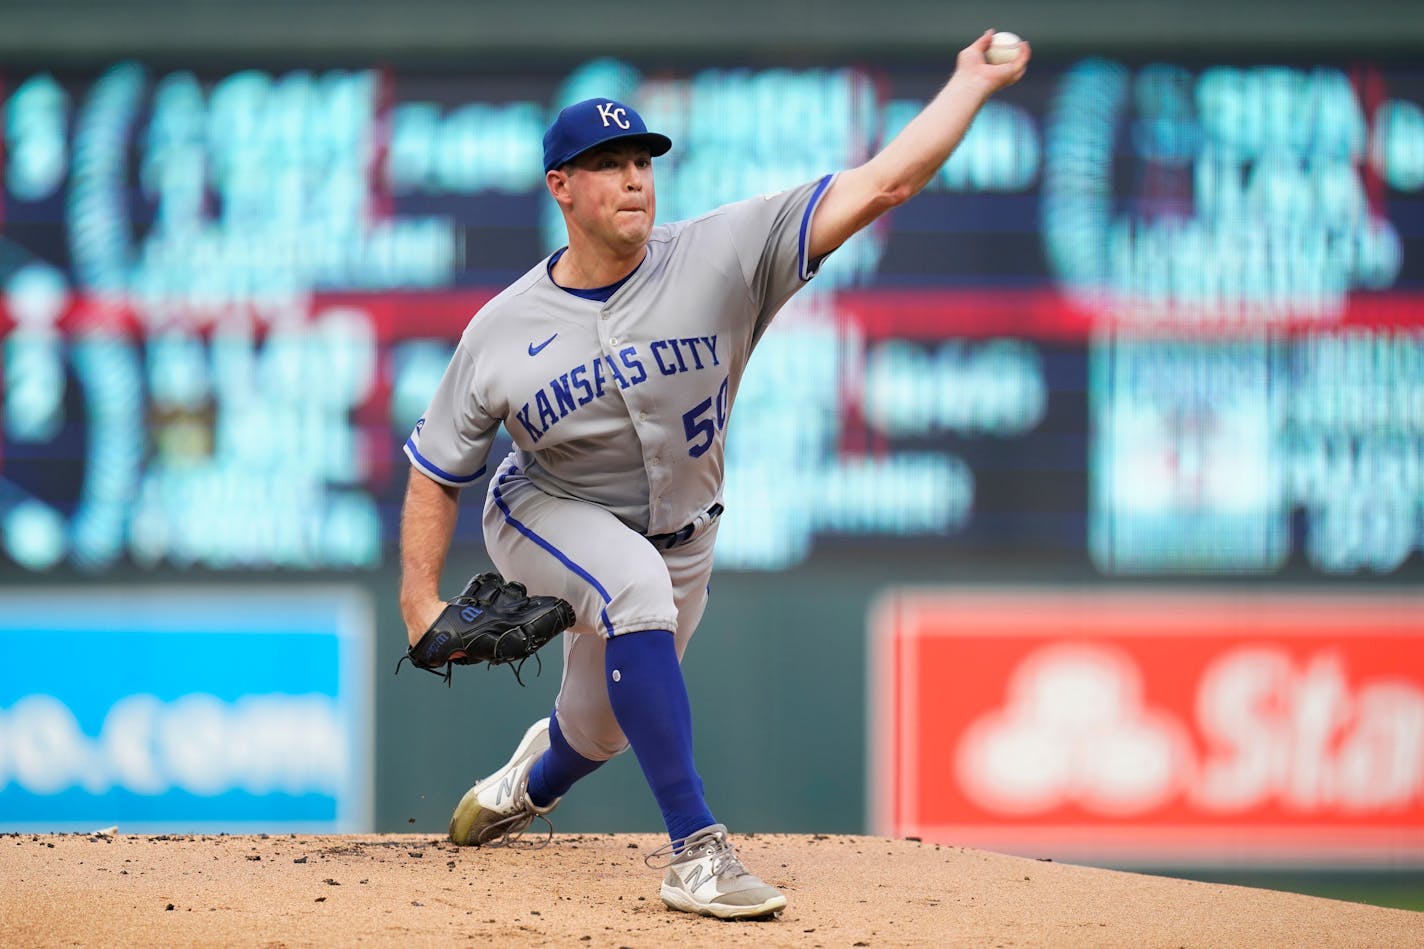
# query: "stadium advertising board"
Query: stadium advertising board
1215,727
232,709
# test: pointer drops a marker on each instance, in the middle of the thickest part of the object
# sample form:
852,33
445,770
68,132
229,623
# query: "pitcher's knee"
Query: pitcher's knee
647,603
592,733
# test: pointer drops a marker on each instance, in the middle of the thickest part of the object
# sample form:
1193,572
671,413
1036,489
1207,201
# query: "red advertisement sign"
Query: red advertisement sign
1224,727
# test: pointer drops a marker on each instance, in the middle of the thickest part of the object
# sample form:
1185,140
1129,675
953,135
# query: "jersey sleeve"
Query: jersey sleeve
452,440
771,234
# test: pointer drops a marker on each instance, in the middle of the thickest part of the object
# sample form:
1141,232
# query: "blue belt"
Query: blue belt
684,534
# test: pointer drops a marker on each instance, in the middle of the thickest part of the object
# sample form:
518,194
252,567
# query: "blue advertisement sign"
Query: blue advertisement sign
186,710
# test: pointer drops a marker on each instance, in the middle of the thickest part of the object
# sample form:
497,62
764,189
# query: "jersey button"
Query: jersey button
613,341
642,416
605,316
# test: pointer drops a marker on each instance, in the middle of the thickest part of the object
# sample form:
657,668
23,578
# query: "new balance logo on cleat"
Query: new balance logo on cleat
697,876
506,787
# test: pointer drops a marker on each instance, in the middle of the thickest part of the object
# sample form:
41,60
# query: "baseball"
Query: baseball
1002,48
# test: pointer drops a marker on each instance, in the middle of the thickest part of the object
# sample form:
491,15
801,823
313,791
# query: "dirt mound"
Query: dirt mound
589,889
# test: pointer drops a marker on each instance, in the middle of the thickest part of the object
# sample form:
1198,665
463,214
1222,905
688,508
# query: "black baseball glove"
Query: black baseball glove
494,622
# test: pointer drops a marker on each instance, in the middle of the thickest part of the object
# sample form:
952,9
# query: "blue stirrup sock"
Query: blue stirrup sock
557,769
649,699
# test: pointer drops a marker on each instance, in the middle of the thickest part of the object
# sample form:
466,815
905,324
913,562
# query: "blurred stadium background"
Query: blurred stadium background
1075,510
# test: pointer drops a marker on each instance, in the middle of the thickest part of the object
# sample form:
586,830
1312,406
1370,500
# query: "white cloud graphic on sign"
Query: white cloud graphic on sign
1073,730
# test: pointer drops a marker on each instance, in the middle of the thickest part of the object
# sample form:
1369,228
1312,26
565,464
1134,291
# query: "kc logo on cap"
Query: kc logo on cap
594,122
612,111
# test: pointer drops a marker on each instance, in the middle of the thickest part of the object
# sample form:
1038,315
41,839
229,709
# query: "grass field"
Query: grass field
1395,888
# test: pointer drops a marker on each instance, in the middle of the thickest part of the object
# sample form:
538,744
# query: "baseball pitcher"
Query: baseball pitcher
614,366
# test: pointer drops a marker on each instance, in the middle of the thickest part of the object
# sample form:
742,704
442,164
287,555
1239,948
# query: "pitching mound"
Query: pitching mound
585,889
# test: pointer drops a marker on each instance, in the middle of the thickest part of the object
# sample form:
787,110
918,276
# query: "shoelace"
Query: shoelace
716,846
513,828
510,830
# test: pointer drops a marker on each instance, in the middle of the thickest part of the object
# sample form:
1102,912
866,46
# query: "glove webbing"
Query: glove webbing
449,673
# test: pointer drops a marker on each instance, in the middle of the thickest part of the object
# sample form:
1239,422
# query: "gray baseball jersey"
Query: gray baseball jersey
618,411
624,404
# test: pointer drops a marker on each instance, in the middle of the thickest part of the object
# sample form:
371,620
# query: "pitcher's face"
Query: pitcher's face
608,194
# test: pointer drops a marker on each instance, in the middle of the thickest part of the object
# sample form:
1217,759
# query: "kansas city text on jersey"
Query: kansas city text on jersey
582,384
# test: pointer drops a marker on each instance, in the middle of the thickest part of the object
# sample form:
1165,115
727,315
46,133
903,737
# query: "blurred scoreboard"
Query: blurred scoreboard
1151,319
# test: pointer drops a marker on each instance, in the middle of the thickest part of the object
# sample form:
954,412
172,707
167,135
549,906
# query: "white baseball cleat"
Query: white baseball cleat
707,878
497,810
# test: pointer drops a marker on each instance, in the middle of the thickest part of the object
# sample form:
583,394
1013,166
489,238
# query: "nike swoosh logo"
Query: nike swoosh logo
536,350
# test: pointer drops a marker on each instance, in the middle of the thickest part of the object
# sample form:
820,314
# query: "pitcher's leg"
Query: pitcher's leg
649,699
615,579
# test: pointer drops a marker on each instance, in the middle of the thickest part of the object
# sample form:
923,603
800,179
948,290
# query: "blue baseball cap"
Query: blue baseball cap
593,122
